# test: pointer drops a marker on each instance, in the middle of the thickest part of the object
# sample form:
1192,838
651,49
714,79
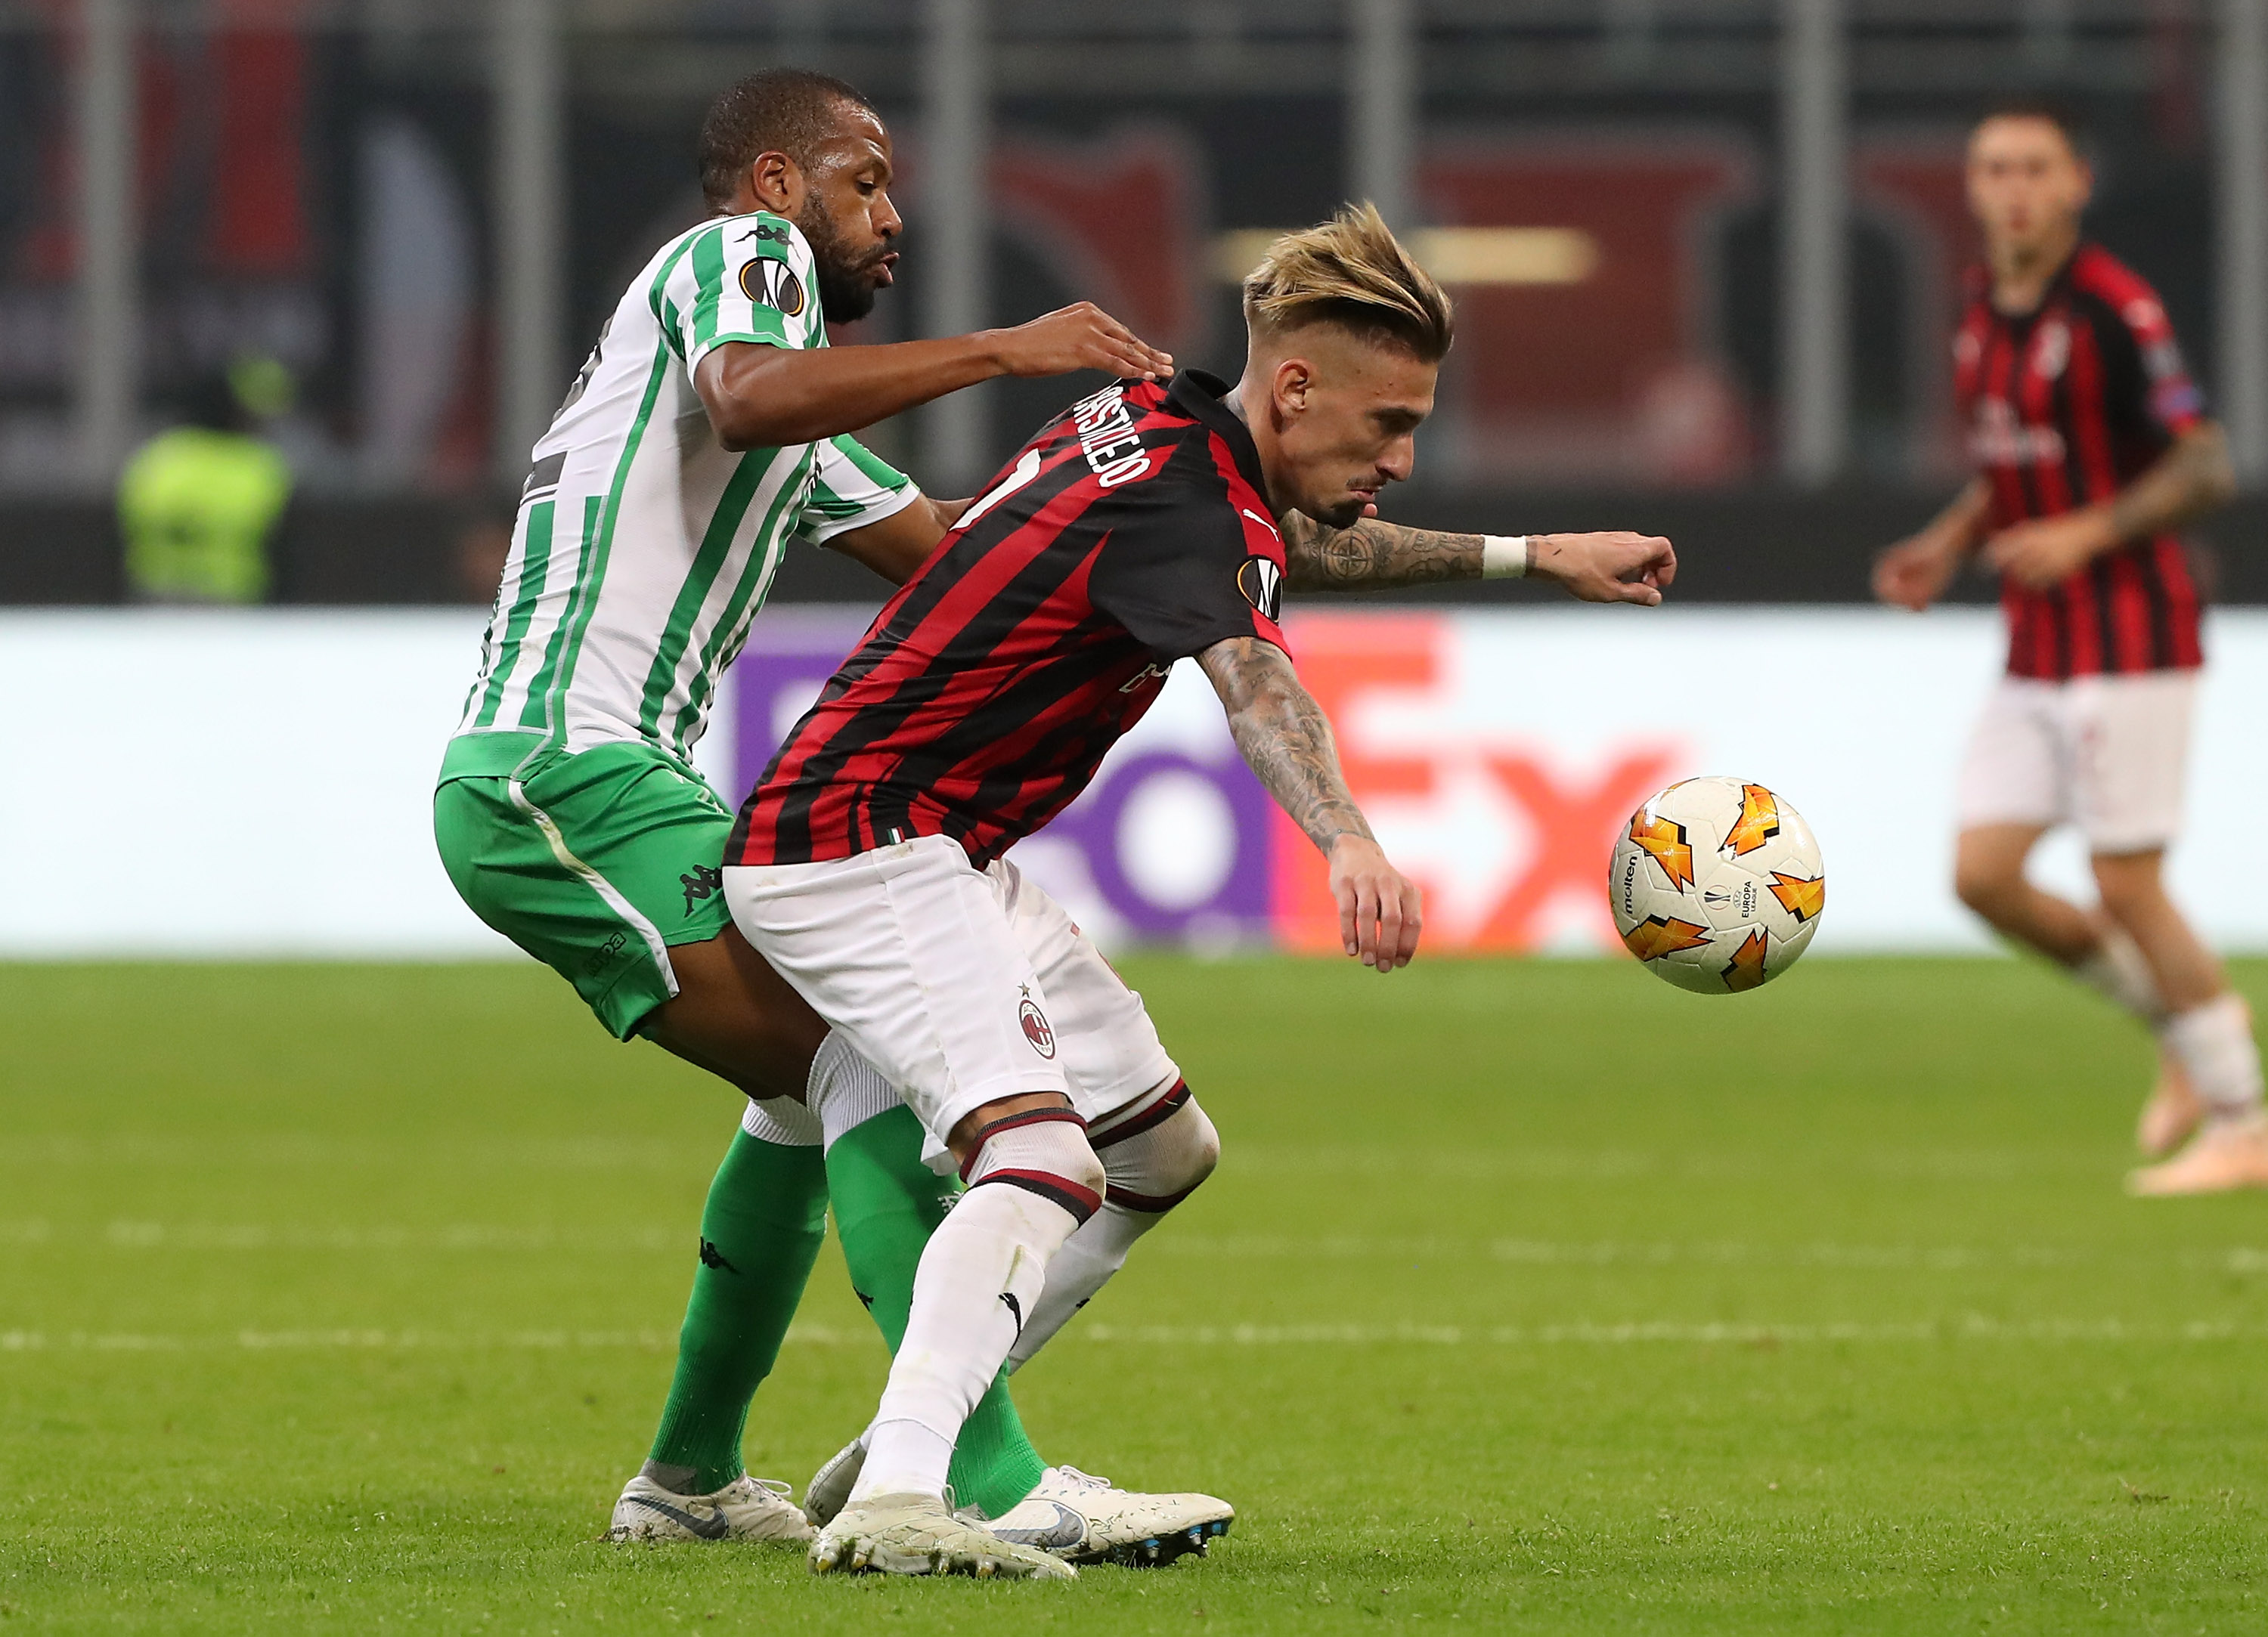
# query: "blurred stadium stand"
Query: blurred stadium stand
1705,250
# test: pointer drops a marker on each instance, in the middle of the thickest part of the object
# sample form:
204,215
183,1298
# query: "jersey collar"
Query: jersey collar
1199,396
2057,285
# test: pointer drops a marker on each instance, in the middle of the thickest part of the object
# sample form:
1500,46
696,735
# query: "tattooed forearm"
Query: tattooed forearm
1283,736
1371,555
2190,479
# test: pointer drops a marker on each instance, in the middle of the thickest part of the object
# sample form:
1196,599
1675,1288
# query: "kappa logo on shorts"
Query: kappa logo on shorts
704,883
1036,1028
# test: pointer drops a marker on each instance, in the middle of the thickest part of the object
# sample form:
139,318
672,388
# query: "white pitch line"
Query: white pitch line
605,1153
485,1238
1970,1327
491,1238
1354,1247
1973,1327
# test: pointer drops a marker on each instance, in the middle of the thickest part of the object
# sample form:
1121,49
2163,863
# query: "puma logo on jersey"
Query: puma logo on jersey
770,283
1262,582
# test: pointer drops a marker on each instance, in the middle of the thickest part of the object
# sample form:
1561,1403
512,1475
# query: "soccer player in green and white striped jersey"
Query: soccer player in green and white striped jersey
706,435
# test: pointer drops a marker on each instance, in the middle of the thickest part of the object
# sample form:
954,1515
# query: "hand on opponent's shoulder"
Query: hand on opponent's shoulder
1081,336
765,397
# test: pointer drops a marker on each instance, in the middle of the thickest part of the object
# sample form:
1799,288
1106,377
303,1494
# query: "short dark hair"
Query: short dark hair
787,110
2030,106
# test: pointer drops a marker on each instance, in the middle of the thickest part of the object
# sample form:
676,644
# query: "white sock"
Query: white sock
844,1089
1081,1268
1156,1156
2118,970
2216,1045
979,1281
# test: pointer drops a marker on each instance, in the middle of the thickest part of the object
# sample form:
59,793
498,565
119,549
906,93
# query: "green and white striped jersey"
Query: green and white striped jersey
643,548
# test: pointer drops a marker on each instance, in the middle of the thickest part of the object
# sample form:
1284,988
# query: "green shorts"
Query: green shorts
594,862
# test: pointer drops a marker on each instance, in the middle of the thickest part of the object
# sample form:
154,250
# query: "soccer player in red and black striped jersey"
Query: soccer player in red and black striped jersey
1146,525
2092,450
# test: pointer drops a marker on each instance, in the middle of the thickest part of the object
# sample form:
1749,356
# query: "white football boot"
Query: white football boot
1080,1518
747,1508
914,1534
1085,1519
828,1492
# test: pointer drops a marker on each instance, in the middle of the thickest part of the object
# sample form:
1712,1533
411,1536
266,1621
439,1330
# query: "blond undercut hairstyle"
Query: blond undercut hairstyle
1351,272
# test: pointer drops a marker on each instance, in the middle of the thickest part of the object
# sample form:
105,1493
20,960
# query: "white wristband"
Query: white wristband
1504,556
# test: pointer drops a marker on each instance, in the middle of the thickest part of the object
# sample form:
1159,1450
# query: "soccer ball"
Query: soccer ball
1717,885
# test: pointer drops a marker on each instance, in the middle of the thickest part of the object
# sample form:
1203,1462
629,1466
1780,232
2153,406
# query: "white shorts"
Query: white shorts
2106,754
959,986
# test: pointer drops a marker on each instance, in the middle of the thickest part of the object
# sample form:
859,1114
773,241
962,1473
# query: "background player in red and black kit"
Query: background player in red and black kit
1147,526
2091,448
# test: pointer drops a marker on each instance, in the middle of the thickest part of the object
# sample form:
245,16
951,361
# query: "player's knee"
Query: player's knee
1985,886
1043,1151
2128,886
1157,1156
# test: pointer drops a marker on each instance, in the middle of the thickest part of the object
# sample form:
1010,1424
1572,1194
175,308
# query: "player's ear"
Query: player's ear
1294,380
775,183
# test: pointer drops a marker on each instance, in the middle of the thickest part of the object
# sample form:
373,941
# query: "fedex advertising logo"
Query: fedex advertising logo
1507,829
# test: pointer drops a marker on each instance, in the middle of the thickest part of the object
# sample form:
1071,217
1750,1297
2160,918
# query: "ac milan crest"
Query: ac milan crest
1036,1029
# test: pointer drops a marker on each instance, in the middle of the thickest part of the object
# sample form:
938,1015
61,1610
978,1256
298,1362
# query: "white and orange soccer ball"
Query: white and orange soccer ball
1717,885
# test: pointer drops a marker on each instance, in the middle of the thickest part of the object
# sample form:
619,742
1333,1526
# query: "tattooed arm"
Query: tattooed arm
1373,554
1282,734
2190,479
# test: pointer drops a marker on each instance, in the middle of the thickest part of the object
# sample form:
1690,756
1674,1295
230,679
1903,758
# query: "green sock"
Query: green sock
760,1233
887,1204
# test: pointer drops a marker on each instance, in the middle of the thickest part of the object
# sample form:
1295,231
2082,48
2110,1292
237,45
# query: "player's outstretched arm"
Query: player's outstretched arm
1282,735
1614,566
764,397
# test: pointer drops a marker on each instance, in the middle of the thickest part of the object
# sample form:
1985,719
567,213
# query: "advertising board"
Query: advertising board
258,783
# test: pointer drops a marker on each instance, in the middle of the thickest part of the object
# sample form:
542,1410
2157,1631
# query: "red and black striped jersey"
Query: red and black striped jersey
2063,406
1131,532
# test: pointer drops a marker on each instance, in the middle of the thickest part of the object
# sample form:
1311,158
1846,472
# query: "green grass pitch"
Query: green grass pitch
1528,1296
